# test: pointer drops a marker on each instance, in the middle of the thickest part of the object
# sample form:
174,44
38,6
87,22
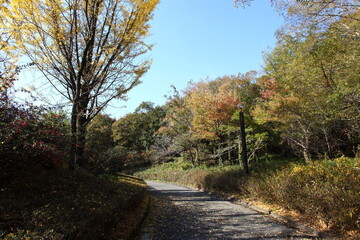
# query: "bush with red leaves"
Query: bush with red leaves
31,135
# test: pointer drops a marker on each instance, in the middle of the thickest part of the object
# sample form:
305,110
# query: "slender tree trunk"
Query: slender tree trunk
243,143
191,157
307,155
196,156
220,155
306,151
214,154
239,152
229,150
327,142
304,141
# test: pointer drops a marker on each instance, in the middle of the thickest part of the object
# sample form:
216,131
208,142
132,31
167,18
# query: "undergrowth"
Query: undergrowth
56,204
326,191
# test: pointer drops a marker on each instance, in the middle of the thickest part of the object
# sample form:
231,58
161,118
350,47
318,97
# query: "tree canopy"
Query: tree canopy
88,50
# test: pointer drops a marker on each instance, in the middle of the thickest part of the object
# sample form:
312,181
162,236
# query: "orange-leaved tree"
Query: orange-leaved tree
212,104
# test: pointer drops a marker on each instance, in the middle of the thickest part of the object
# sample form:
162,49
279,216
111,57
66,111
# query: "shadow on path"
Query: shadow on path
182,213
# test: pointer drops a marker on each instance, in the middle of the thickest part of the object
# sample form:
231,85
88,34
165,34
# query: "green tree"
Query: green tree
136,131
88,50
176,136
314,92
99,135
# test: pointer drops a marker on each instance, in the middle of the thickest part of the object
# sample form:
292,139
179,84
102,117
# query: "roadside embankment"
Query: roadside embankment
39,203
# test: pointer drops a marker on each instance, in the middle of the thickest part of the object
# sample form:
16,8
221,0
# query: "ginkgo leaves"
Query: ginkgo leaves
89,50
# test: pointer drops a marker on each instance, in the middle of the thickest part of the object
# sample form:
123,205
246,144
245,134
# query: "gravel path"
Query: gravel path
182,213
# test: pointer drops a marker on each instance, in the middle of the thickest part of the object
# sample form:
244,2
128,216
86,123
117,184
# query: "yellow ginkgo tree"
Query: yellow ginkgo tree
89,50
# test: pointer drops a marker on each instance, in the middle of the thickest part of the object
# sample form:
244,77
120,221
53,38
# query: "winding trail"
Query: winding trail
182,213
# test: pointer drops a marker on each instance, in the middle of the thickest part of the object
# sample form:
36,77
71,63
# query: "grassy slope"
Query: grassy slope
325,194
56,204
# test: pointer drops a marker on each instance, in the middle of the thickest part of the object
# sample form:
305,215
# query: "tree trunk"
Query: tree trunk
78,132
197,156
239,152
306,151
328,145
191,157
214,154
82,121
73,143
307,155
220,155
229,149
81,134
220,151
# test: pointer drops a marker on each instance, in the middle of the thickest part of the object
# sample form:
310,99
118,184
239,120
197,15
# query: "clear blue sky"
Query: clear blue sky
193,40
196,39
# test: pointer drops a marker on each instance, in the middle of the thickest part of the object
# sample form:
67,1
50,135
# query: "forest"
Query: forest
302,112
305,103
302,129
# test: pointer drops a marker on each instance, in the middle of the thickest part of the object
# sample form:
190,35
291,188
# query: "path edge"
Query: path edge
142,217
215,195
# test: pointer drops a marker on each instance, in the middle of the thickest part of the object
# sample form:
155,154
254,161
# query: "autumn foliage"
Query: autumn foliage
31,135
212,106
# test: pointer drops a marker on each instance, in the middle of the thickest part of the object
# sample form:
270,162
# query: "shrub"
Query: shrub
110,161
327,190
31,135
229,181
98,136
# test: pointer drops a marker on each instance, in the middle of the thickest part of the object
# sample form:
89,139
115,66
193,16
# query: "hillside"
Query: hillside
56,204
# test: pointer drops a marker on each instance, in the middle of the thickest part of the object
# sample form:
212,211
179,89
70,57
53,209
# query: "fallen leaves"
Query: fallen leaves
56,204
